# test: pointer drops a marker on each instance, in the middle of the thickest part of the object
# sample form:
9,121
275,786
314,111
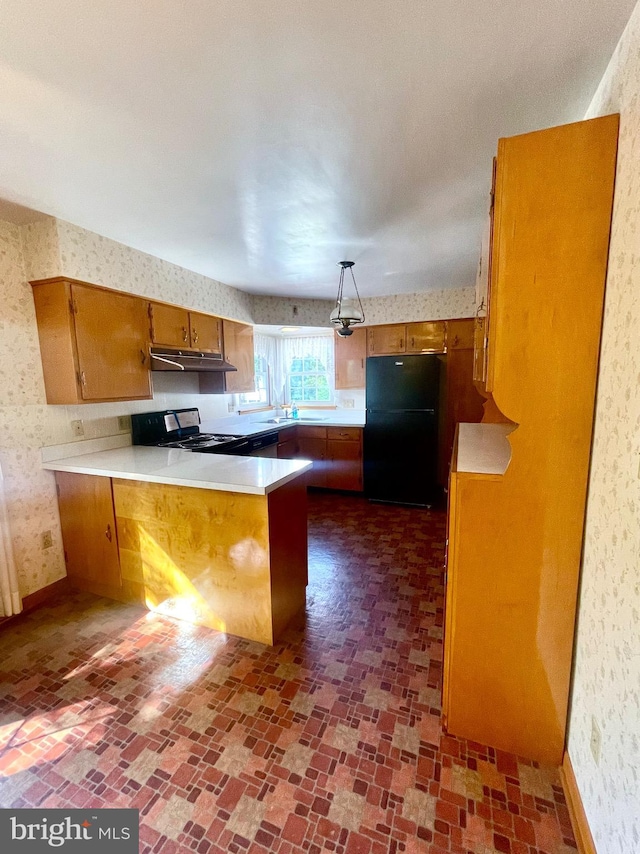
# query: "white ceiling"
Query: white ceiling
262,141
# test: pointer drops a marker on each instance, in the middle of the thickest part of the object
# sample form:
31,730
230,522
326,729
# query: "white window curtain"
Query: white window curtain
10,602
312,346
268,346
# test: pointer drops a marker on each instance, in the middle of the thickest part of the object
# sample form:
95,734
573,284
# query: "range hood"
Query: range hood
165,359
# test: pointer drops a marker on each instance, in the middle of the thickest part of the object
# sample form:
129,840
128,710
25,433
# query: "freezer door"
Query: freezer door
401,457
402,382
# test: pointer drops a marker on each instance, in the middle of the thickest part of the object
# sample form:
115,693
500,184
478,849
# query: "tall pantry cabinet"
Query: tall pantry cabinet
518,488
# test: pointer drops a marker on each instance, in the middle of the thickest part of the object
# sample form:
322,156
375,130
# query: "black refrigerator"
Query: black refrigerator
401,429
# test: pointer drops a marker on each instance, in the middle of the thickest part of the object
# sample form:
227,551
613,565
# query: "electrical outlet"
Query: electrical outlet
47,540
230,406
596,740
77,428
348,402
124,422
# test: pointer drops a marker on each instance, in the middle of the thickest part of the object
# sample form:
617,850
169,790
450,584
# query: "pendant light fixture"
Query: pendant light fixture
347,311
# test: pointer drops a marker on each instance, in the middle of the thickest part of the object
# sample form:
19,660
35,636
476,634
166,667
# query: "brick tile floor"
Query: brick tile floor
329,741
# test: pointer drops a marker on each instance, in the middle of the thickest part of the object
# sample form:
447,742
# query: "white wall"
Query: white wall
607,667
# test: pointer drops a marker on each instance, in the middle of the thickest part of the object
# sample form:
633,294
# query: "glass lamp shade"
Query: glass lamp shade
347,311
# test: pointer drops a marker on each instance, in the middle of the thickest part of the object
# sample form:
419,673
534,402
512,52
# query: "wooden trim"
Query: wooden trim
579,822
33,600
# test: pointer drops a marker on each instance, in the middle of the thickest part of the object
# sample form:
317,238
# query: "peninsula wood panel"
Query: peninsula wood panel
89,533
515,560
205,556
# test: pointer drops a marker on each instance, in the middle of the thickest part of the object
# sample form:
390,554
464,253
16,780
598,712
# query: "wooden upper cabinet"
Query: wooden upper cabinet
427,337
172,326
206,333
460,334
94,342
350,355
238,350
386,340
169,325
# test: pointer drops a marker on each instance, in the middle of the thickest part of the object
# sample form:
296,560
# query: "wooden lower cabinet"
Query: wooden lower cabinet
89,533
231,561
312,445
336,453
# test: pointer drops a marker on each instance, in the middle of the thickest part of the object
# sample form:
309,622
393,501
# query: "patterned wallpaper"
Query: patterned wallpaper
401,308
288,311
429,305
30,491
93,258
607,668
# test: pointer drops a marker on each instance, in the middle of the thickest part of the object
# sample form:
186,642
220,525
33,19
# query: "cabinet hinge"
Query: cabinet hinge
58,489
73,306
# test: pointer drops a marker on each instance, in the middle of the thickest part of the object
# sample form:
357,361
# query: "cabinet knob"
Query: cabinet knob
194,335
185,334
108,534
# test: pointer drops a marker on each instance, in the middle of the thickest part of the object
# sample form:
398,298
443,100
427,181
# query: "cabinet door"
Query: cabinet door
88,527
460,334
288,450
238,349
112,335
344,465
310,448
427,337
206,332
350,355
387,340
169,325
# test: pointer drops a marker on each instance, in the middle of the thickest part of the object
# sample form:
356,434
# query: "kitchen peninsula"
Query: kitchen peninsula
219,541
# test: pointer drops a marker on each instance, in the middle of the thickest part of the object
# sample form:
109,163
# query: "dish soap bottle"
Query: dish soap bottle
294,410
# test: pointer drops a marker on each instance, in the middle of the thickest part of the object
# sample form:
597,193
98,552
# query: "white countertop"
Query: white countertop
254,475
254,425
484,448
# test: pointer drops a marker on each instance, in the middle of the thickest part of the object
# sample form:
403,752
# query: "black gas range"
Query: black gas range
180,428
